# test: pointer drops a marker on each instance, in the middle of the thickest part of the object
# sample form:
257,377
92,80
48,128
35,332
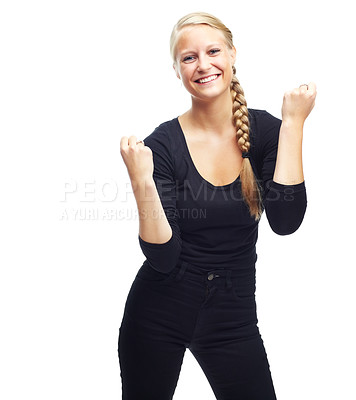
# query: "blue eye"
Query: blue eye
214,51
188,59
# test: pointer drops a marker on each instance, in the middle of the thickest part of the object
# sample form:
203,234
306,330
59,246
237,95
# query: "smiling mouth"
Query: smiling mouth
207,79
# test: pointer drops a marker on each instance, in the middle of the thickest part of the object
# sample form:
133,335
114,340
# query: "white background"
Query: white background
78,75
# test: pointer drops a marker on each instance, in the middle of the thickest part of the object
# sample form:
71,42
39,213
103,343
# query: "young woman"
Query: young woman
201,182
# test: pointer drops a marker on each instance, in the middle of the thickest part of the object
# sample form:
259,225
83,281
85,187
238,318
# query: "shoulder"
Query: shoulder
162,142
262,119
264,128
162,134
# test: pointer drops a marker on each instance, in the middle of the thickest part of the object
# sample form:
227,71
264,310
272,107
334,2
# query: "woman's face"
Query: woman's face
204,62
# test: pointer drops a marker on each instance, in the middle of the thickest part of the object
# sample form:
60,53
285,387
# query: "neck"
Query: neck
214,116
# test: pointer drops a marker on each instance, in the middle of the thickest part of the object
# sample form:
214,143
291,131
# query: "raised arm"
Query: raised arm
152,178
284,203
297,105
286,199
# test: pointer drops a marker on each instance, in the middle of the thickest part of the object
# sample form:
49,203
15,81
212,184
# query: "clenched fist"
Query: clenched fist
137,158
298,103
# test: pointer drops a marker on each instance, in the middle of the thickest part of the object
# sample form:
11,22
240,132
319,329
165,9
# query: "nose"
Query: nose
203,63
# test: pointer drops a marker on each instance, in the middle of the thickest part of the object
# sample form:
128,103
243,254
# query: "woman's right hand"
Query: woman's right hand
137,158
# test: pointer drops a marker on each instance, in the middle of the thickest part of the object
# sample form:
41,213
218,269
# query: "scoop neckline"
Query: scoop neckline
221,187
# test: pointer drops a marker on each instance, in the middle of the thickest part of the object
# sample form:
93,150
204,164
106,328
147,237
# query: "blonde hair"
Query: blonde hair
249,186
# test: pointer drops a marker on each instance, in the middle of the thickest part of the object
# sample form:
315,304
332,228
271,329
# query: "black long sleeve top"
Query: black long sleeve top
211,225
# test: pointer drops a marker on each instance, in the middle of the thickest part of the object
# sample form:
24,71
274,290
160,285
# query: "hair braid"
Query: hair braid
249,185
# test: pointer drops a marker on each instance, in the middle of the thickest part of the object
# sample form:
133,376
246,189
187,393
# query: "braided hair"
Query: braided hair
249,185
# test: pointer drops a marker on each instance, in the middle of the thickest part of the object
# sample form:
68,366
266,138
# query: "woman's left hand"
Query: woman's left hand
298,103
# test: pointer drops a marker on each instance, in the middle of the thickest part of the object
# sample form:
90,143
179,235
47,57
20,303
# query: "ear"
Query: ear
176,70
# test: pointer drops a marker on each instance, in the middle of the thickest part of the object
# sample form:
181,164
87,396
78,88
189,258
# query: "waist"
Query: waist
205,262
242,274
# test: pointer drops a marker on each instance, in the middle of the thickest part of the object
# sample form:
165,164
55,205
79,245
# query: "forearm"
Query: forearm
153,224
289,164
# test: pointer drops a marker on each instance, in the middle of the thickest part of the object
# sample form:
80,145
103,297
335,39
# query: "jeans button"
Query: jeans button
211,277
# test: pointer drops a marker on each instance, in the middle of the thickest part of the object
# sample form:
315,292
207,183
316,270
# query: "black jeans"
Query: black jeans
212,313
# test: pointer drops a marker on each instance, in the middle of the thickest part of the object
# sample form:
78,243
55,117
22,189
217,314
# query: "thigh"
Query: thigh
237,370
229,347
150,347
149,367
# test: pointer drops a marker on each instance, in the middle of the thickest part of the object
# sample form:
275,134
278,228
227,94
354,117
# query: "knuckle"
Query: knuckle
123,146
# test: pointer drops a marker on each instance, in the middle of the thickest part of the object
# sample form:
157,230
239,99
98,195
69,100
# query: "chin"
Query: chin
210,94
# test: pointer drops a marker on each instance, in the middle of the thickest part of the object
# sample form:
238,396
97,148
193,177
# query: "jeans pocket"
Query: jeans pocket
149,274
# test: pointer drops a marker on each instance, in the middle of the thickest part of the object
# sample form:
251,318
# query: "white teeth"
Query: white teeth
208,79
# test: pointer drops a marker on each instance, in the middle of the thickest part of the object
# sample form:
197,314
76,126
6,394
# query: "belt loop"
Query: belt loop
182,269
228,279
